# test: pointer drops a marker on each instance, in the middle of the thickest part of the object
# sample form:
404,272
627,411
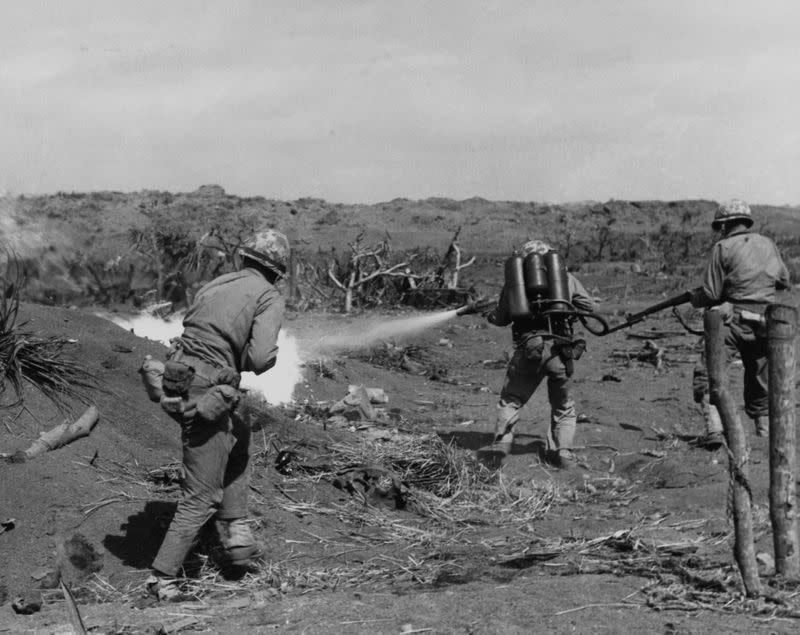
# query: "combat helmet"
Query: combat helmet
734,209
269,248
535,247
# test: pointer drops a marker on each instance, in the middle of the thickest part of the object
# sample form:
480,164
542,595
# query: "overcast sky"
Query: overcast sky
364,101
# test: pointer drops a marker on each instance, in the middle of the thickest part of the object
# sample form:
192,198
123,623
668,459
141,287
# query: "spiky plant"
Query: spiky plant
26,357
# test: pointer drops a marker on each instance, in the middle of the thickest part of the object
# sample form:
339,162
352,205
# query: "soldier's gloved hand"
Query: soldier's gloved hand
699,298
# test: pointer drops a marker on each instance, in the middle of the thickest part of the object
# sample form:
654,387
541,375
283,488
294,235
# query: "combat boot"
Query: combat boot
238,542
713,438
502,443
493,456
762,425
566,459
163,587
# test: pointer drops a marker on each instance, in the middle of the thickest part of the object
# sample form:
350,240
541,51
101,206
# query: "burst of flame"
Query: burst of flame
277,384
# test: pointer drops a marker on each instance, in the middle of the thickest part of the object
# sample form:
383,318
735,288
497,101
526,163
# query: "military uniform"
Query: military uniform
231,327
533,360
745,269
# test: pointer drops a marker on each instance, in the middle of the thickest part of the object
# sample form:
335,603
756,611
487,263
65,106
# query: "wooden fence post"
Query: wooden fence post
738,453
781,353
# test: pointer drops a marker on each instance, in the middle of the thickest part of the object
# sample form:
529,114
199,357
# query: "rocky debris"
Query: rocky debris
27,603
359,405
411,366
373,484
76,559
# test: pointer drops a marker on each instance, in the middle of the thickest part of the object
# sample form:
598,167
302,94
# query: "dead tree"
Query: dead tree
738,453
451,265
781,334
364,264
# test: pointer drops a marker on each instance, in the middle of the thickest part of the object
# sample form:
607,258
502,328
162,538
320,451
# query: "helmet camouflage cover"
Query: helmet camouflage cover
535,247
268,247
734,209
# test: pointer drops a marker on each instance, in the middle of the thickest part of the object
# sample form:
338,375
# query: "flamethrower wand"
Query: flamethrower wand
635,318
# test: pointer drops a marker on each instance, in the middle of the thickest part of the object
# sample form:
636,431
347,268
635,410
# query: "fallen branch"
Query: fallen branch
59,436
72,609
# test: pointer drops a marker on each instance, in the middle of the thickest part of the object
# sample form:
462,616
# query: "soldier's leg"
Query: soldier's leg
563,419
752,347
237,473
700,375
522,377
205,457
756,384
711,416
232,527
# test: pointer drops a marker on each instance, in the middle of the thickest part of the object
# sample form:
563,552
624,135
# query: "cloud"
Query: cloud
364,101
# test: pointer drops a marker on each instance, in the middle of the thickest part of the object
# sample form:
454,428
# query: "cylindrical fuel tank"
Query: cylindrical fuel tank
518,306
535,277
557,280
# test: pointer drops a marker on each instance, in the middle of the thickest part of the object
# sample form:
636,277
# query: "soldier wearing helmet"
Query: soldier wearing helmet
232,326
532,362
745,269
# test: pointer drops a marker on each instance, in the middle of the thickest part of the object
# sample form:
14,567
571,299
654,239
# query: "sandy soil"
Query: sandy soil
635,539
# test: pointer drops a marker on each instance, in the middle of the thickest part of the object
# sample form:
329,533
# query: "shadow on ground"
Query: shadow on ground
144,532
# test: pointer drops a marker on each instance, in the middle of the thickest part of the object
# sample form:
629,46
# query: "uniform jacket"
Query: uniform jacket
234,322
745,268
501,316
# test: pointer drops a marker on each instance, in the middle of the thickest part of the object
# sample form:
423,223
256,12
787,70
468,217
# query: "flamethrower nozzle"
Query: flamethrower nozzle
476,306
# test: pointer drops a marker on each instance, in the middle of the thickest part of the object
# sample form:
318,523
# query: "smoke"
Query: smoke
277,384
367,333
20,237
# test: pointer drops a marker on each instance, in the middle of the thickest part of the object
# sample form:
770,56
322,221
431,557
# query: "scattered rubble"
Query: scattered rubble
28,603
359,405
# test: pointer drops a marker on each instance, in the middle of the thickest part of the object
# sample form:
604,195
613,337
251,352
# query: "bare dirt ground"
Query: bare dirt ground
636,539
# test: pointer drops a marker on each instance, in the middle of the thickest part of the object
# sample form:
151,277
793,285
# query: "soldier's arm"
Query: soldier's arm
580,298
712,291
262,349
500,316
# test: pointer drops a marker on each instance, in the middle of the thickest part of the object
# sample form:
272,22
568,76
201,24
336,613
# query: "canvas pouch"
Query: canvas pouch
216,403
152,374
177,378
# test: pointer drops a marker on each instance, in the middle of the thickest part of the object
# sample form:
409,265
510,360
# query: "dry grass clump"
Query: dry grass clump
447,483
26,357
408,357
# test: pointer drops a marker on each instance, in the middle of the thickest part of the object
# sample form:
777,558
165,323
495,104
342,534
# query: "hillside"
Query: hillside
88,219
81,248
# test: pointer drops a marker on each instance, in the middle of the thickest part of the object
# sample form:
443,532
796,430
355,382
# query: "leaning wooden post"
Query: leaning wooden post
781,355
738,452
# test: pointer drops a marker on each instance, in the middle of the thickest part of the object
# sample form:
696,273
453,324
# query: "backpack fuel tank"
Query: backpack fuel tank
534,278
558,286
518,305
